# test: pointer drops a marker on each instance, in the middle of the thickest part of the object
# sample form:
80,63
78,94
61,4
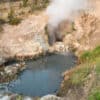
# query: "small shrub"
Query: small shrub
2,21
25,3
39,4
13,20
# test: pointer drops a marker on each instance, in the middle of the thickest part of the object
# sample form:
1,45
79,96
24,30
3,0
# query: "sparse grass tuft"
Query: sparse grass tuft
25,3
96,52
1,28
2,21
19,97
39,5
95,91
73,26
97,68
13,20
80,75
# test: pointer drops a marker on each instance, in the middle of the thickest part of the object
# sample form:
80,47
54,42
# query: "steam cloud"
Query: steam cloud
60,10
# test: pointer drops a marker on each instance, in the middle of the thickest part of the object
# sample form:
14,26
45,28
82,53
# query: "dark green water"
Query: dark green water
42,76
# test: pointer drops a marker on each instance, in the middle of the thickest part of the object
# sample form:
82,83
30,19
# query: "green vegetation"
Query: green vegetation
80,75
95,91
25,3
90,55
39,4
89,60
13,20
97,69
2,21
19,97
95,94
90,66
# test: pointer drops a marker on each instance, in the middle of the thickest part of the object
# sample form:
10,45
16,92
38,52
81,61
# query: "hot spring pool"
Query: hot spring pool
42,76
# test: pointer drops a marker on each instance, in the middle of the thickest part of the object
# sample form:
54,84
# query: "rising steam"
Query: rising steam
60,10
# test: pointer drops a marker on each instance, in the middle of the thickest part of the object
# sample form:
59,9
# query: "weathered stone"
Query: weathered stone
4,98
14,69
27,39
11,70
28,98
51,97
58,47
2,60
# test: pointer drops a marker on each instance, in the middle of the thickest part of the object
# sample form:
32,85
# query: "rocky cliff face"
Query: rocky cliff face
26,39
86,35
85,32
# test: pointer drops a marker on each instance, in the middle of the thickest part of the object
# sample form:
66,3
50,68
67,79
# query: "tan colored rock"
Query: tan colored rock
59,47
26,39
86,34
66,78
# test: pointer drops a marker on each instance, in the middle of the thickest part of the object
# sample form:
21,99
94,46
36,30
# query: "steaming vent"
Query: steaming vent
59,11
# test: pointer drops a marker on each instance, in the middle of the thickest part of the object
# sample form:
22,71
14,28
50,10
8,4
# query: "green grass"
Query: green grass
80,75
90,65
89,59
95,94
97,69
90,55
96,52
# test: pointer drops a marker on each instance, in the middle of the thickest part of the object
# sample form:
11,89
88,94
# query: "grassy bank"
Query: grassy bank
85,78
90,55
